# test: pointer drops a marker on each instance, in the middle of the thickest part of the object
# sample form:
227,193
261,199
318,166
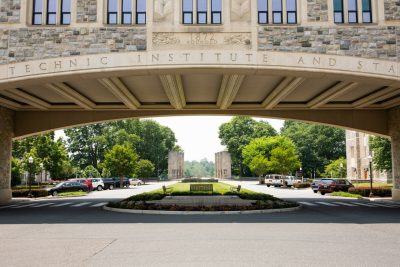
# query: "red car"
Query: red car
84,181
331,185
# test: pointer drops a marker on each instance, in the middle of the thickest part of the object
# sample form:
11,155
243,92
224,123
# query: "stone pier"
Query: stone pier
6,135
394,130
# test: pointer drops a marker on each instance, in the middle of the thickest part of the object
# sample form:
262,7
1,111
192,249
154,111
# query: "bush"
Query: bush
301,185
199,180
25,192
376,191
146,197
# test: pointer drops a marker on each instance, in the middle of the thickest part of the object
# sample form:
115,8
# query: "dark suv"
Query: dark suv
331,185
111,183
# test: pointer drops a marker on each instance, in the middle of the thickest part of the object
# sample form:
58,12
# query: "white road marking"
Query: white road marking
365,204
42,205
99,204
24,206
383,205
345,204
81,204
308,204
327,204
62,204
9,206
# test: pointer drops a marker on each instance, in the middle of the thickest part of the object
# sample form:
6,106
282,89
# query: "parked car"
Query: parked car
97,183
280,180
68,186
84,181
135,181
331,185
315,184
111,183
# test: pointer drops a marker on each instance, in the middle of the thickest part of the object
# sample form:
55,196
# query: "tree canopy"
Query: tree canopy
336,168
202,168
237,133
382,153
317,145
275,154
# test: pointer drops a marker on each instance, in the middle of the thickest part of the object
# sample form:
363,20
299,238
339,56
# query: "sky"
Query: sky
198,135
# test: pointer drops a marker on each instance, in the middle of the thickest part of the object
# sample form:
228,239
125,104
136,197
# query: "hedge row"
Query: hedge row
25,192
199,180
301,185
376,191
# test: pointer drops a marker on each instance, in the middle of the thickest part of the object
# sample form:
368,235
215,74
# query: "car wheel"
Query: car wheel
99,188
139,184
268,185
111,187
315,191
322,193
55,193
80,190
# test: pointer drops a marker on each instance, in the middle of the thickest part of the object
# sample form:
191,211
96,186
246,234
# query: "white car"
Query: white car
98,183
135,181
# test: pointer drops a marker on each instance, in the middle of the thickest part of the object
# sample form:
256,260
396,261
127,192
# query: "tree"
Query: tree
259,165
237,133
317,145
90,172
336,168
16,171
121,161
271,154
144,169
382,149
202,168
87,144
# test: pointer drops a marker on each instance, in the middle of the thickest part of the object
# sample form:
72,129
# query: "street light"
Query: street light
30,161
370,176
41,172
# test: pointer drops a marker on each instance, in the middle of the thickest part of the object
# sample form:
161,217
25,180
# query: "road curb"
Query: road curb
165,212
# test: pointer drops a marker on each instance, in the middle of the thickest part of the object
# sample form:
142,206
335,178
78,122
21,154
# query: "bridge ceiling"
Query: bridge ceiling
201,90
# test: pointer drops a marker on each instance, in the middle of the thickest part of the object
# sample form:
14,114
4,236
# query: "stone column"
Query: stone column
6,135
394,131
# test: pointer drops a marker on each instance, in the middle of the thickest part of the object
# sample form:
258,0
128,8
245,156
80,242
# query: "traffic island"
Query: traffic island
220,198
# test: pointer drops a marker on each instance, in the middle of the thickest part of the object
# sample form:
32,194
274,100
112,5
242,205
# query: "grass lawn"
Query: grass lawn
345,194
373,185
72,194
220,188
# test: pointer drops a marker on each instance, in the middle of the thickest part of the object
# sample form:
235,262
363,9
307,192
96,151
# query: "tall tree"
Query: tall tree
87,144
237,133
275,154
144,169
336,168
382,149
121,161
317,145
202,168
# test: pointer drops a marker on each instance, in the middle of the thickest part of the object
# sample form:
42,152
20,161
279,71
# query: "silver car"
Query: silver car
135,181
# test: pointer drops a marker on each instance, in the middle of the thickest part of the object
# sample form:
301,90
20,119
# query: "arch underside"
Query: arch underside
341,91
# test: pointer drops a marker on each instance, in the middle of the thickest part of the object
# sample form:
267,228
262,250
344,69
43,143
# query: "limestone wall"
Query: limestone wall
86,11
10,11
368,42
37,43
317,10
392,10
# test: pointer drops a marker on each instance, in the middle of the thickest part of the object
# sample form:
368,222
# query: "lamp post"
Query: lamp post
30,161
370,176
341,168
41,172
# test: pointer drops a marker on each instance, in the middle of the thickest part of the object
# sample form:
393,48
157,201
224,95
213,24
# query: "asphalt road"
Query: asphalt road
78,232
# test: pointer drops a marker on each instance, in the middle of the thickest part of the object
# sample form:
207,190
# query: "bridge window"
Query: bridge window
122,11
204,10
354,12
280,11
187,11
51,12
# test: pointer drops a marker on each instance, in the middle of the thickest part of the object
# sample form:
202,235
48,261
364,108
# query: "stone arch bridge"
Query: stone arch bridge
53,77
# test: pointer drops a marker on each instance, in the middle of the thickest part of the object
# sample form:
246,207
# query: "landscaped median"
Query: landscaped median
184,198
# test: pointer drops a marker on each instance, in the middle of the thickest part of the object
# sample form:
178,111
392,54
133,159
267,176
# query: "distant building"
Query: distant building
357,152
223,165
176,165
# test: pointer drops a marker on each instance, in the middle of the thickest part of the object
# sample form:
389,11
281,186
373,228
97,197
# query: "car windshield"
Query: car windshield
326,181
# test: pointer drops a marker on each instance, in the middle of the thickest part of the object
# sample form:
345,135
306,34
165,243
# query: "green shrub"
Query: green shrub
376,191
25,192
301,185
146,197
345,194
199,180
